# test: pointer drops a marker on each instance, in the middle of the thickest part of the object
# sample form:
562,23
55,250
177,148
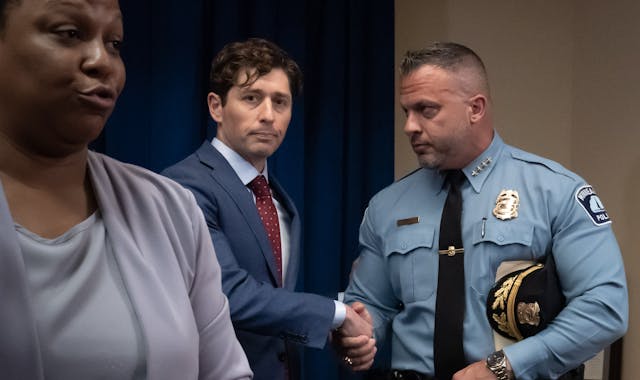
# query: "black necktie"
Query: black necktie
447,341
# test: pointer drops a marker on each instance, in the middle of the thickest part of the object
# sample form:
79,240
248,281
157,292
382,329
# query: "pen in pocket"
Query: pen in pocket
484,224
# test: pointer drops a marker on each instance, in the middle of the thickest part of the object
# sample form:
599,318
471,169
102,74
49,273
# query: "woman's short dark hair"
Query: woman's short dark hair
256,56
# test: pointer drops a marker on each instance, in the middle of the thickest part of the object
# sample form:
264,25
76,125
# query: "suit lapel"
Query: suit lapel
224,175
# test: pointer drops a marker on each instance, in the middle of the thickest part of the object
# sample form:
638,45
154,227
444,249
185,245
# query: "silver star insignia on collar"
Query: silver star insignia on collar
483,165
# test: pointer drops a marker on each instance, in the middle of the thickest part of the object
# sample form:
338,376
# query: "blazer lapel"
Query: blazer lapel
19,349
140,279
224,175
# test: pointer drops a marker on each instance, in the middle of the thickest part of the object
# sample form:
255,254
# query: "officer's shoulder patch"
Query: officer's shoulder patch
592,205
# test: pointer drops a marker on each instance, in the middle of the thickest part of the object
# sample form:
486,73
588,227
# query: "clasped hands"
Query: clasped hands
354,340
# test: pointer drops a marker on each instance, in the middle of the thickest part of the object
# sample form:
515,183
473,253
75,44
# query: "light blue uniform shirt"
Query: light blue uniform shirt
397,272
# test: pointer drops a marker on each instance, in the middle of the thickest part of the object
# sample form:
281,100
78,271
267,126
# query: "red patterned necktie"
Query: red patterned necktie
269,216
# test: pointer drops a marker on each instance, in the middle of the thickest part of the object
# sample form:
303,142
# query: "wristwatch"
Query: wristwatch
497,363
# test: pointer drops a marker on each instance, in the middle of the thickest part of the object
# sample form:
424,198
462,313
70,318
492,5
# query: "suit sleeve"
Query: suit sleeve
592,276
258,306
221,357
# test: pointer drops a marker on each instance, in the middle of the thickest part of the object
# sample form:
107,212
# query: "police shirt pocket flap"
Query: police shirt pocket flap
503,232
408,238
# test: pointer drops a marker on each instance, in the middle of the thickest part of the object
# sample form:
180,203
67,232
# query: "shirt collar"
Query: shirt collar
244,170
478,170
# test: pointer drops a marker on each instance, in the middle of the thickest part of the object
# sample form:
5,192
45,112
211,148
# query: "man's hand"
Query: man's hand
357,322
358,352
475,371
354,339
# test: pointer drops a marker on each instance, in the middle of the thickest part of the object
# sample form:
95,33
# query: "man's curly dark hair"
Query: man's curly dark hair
255,56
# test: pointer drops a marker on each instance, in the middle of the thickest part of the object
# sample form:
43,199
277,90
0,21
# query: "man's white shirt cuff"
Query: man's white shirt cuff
340,314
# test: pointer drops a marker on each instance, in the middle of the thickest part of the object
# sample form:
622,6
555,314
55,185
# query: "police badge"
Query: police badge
507,205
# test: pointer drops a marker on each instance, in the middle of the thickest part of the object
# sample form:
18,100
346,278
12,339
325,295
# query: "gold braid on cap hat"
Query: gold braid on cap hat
511,286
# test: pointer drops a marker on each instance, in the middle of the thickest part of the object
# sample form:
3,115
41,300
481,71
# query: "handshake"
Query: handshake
353,340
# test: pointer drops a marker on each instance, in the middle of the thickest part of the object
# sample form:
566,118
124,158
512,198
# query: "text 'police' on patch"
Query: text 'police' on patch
590,202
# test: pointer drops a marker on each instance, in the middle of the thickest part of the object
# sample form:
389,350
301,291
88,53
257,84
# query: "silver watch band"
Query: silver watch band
497,363
501,373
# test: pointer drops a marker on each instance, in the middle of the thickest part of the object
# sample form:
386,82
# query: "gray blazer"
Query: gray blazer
169,269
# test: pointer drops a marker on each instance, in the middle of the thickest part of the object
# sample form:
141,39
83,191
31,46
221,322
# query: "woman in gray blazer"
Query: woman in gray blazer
106,269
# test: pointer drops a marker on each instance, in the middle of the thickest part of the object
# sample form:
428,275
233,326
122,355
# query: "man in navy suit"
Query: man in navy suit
252,87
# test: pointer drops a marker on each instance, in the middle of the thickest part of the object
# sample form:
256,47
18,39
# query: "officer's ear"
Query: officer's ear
477,108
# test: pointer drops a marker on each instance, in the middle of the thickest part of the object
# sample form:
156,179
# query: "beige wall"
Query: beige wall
606,132
565,79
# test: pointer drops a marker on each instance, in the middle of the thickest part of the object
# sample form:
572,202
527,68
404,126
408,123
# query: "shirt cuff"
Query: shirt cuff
340,314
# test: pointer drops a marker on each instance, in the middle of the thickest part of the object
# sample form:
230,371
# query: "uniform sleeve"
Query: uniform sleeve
592,276
221,356
369,281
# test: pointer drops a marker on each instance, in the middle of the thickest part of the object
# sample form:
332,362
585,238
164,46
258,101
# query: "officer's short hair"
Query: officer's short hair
449,56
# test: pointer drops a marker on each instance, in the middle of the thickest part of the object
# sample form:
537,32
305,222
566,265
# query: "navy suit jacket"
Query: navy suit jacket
266,318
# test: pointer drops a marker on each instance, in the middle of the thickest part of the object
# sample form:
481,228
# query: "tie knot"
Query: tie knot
260,187
455,178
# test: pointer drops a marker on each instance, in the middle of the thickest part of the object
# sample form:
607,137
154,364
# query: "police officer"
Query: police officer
516,207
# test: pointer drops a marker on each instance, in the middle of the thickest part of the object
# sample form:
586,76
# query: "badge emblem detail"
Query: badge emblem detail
507,205
529,313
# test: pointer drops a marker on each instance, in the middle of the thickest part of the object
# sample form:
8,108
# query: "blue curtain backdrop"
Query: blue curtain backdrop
339,147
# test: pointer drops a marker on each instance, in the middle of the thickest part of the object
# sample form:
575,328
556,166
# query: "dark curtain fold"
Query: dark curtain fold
161,113
339,147
349,138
